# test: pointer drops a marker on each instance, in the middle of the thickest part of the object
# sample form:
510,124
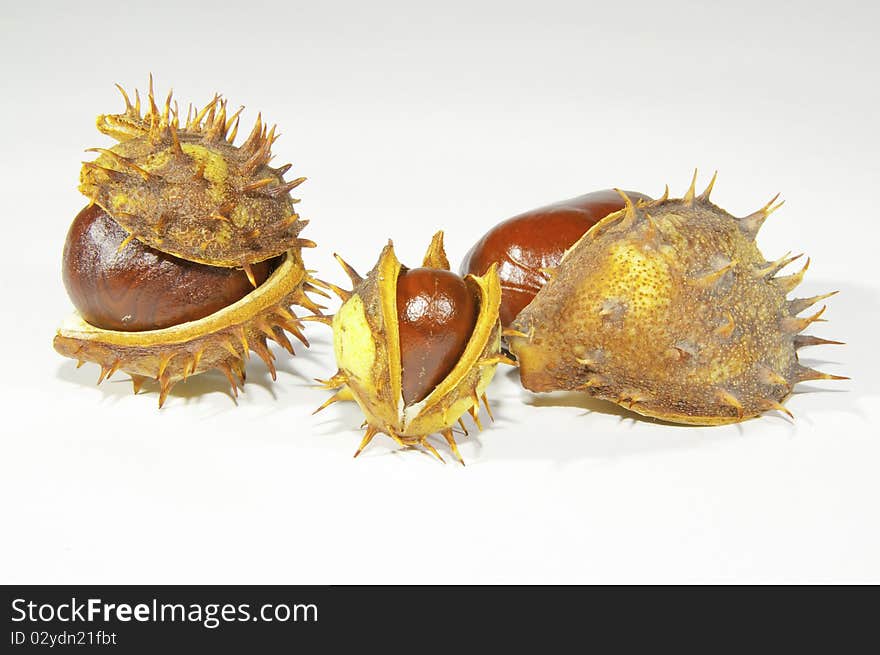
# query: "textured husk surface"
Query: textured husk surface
366,341
670,309
188,191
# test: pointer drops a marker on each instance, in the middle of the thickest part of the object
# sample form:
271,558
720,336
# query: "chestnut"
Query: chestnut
117,283
527,245
188,256
436,314
416,348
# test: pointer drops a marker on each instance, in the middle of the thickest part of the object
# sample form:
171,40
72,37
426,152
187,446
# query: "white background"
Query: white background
407,119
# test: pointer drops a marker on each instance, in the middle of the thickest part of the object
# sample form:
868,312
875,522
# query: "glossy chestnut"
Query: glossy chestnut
416,348
527,245
131,287
437,313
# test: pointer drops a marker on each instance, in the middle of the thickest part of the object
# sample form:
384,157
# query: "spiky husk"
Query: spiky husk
221,341
367,347
188,191
668,308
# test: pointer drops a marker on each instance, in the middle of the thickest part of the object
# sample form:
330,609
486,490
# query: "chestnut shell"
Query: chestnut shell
188,192
670,309
370,346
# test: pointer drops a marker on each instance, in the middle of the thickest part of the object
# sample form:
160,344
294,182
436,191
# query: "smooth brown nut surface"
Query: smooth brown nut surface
138,288
527,244
436,313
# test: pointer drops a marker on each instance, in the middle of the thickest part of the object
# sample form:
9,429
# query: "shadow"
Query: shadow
804,388
853,317
345,417
195,388
588,403
318,356
112,389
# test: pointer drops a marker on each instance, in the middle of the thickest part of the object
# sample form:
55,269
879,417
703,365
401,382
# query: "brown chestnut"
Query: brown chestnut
528,244
436,313
128,286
